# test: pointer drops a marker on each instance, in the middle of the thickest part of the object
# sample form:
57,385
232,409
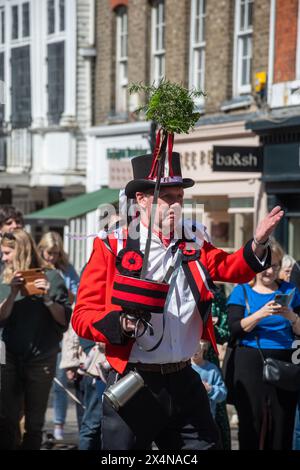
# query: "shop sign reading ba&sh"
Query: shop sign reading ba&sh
239,159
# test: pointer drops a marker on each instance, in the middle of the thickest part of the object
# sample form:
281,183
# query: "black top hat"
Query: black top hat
141,166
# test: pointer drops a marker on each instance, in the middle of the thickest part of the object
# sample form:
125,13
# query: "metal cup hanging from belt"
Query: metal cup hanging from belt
119,393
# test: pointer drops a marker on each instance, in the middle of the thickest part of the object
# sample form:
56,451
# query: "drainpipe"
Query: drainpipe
271,49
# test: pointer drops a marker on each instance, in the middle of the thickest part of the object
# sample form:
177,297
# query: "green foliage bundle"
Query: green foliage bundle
170,105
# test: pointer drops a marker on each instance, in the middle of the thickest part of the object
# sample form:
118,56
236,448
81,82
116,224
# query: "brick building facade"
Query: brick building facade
196,43
278,124
219,31
219,45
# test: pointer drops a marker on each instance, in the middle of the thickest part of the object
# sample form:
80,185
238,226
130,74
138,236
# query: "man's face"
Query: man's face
10,225
169,208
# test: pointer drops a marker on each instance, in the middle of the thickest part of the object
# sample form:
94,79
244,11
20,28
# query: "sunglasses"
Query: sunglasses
8,236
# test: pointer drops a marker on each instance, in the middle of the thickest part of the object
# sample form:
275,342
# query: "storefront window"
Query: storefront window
233,233
220,233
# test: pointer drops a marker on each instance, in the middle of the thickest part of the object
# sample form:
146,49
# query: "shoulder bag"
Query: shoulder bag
281,374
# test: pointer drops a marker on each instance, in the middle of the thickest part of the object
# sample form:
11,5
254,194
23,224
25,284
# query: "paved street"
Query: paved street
71,431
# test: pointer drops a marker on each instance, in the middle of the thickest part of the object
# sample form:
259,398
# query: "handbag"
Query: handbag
280,374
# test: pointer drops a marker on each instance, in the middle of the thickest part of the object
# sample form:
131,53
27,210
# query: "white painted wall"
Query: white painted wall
57,158
102,138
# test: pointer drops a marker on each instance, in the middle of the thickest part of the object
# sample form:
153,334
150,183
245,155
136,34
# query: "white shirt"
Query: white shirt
183,324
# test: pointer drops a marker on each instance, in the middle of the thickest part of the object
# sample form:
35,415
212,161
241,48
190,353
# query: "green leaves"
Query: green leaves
170,105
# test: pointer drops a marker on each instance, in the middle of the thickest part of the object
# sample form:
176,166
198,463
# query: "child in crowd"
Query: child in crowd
210,376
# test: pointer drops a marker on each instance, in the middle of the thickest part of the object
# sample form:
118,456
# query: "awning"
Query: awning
275,120
61,213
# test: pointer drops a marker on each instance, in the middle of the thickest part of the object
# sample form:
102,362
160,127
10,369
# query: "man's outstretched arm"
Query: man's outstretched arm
241,266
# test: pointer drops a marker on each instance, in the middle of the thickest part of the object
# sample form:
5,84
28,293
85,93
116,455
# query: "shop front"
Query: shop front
282,179
225,161
281,175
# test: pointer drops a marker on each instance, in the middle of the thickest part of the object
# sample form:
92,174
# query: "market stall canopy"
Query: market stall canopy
60,214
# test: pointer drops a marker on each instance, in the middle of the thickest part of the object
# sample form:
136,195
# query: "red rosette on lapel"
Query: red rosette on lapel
190,255
129,262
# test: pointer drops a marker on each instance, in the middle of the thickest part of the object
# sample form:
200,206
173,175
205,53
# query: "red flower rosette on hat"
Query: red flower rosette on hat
129,262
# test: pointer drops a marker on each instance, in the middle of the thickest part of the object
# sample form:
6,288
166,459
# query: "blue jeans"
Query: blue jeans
90,430
296,438
60,398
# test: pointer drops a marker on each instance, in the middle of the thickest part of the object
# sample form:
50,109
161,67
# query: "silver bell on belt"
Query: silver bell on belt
120,392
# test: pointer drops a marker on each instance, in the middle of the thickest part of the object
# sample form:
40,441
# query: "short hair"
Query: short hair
287,262
10,212
277,250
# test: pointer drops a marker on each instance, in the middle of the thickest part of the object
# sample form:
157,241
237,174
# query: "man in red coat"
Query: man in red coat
173,409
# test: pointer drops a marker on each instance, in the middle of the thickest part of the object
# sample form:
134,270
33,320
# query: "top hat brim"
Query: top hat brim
141,185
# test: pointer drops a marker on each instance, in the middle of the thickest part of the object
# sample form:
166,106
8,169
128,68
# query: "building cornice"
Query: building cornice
120,129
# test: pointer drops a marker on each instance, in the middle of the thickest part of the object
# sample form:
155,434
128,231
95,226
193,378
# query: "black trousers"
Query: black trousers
266,413
172,410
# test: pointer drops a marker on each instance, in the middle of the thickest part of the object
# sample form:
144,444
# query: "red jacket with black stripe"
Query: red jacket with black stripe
97,319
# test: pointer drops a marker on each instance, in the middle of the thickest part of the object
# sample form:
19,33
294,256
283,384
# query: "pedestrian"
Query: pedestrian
286,268
92,387
33,328
258,324
10,219
52,251
173,410
221,330
210,375
78,359
295,274
294,278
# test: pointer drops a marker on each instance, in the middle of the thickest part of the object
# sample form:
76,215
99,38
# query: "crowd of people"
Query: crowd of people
43,351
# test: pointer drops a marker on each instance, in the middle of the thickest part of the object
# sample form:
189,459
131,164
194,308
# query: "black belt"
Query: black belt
163,369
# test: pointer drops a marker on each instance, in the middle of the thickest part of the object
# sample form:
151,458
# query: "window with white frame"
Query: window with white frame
197,44
56,16
2,57
56,59
121,59
2,26
158,40
20,63
2,93
20,21
243,46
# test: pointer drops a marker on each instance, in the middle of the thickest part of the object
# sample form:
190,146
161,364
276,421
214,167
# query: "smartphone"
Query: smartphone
284,299
29,276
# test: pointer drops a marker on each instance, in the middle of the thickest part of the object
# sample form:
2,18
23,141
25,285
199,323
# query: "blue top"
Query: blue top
211,374
71,279
273,332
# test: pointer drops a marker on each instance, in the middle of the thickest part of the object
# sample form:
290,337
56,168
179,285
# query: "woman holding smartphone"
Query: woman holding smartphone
266,413
33,328
52,251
